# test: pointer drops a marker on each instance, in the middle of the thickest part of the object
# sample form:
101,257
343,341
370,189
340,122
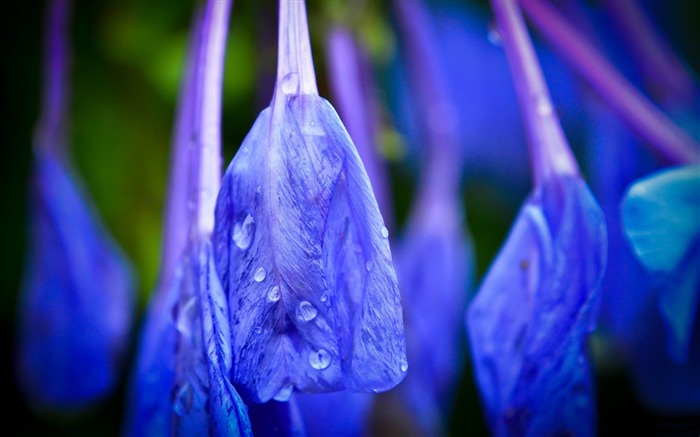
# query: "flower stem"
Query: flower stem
440,184
549,150
206,113
664,72
51,134
650,123
295,66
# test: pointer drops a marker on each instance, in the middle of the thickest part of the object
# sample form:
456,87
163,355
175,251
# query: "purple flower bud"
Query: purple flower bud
182,386
76,306
538,303
300,246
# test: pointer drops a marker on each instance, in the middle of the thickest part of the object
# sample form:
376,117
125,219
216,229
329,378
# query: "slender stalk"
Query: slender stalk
51,134
354,95
295,66
206,155
664,72
438,113
645,119
549,150
177,220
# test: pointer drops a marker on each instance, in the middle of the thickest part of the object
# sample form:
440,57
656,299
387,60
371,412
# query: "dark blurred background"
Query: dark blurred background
127,64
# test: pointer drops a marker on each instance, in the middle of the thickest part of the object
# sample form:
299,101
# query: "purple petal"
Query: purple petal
76,307
303,256
534,311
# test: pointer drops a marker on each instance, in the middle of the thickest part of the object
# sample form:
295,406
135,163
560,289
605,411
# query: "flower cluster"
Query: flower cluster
297,294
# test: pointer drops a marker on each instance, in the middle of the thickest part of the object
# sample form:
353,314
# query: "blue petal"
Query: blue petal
204,401
296,218
535,309
76,307
661,220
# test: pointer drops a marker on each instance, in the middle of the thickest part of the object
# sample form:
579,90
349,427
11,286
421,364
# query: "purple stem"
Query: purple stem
354,95
51,135
177,220
206,118
295,65
441,183
663,71
650,123
549,150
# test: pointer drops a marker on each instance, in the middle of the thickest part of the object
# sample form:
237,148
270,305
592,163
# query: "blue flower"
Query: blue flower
77,299
662,224
182,385
301,247
534,311
435,257
538,303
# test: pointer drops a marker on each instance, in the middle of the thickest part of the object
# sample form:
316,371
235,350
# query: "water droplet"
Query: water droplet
319,359
544,106
185,311
258,330
258,188
284,393
404,365
243,232
306,311
290,83
260,274
183,399
385,232
324,297
274,294
369,265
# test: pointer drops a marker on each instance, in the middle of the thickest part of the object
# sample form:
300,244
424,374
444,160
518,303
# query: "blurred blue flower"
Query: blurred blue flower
302,249
538,303
661,218
435,258
76,304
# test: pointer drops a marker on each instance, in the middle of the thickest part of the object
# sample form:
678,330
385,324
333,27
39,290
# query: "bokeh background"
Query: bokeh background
127,64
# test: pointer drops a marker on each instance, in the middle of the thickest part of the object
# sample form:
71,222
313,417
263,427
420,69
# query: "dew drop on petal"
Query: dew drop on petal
258,188
324,297
306,311
385,232
258,330
260,274
319,359
185,314
243,232
183,399
369,265
284,393
404,365
274,294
